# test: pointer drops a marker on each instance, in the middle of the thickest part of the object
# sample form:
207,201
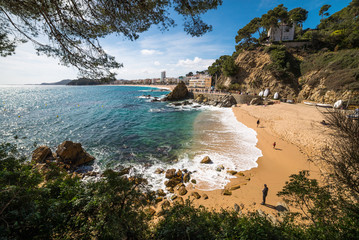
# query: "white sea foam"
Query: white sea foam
221,137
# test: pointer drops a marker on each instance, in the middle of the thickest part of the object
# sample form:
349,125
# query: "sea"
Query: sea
122,127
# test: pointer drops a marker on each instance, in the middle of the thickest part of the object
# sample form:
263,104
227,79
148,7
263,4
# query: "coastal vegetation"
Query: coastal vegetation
88,81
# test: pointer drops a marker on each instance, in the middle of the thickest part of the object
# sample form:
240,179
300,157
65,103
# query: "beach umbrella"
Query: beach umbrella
266,92
260,93
338,104
276,95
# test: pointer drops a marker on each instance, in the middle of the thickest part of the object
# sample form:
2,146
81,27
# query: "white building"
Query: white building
202,81
163,76
282,33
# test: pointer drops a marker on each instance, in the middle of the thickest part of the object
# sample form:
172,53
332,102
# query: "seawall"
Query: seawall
241,99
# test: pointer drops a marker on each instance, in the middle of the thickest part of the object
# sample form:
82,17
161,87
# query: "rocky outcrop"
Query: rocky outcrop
254,75
173,182
68,156
215,100
227,101
170,173
182,191
40,154
73,154
206,160
180,92
196,195
320,93
256,101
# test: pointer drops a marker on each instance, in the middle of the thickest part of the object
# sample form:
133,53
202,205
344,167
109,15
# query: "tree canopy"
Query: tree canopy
341,29
74,27
324,10
256,30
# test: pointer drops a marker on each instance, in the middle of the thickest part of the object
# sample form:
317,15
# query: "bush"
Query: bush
66,208
283,65
235,87
339,69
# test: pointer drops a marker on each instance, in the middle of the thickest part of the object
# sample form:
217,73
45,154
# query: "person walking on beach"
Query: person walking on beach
265,193
258,122
274,144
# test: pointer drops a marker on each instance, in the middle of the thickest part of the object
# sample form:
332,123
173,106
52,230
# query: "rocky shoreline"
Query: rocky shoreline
71,157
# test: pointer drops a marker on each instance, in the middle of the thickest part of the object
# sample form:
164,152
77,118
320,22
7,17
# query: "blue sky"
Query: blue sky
172,51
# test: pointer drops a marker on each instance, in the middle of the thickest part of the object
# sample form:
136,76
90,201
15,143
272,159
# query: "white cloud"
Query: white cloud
197,63
175,53
25,67
149,52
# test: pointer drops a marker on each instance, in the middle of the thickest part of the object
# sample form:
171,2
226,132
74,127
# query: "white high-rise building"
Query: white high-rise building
163,76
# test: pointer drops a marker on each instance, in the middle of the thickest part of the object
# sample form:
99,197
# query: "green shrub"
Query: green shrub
339,69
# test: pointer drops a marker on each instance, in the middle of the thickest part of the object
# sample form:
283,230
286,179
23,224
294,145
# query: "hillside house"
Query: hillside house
282,33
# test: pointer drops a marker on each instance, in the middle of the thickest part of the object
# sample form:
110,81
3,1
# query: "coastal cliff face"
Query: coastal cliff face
321,77
330,76
255,75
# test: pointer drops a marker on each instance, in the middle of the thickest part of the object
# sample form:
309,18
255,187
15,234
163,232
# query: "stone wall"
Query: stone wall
296,44
241,99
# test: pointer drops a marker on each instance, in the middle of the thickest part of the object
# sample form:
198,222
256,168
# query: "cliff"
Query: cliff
298,74
256,74
330,76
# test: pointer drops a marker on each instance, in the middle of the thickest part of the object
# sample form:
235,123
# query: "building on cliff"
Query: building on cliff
284,32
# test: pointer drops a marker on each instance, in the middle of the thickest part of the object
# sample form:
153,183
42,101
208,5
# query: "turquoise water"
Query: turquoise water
113,123
119,126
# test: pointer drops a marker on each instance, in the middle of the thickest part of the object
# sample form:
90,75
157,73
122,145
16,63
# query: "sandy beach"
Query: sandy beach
169,87
298,133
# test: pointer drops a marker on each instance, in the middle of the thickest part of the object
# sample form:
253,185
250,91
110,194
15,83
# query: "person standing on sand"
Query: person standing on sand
265,193
274,144
258,122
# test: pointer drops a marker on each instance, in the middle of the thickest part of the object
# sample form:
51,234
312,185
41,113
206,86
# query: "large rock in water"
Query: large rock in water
180,92
73,154
41,153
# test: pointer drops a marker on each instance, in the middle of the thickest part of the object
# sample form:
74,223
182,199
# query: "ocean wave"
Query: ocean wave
232,146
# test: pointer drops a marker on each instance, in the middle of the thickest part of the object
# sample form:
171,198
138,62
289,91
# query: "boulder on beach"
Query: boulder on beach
40,154
235,187
226,192
182,191
170,173
186,177
228,101
180,92
179,173
232,172
206,160
256,101
161,193
173,182
73,154
196,195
